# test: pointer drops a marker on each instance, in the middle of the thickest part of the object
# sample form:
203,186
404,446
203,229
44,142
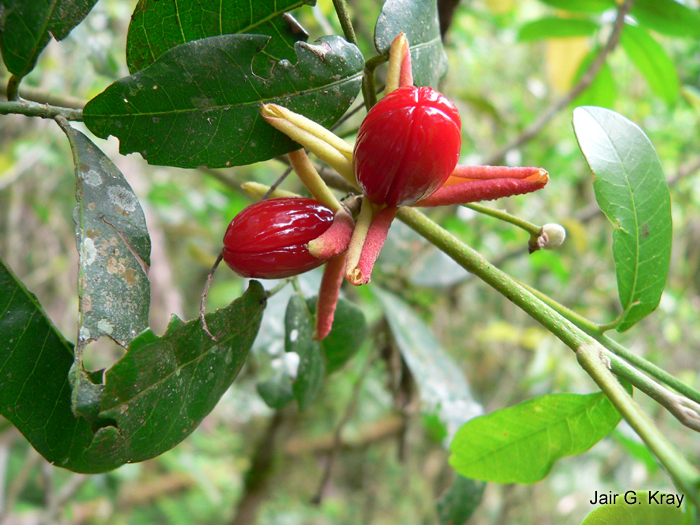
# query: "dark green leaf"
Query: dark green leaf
199,103
26,26
667,17
419,20
457,505
156,395
638,508
652,62
347,335
160,391
602,91
443,388
276,391
632,192
554,27
299,331
113,245
585,6
521,443
158,25
34,391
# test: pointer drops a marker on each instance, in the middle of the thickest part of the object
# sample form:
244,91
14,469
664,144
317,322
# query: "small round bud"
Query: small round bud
554,235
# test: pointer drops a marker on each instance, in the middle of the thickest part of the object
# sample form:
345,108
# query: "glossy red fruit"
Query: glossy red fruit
407,146
268,239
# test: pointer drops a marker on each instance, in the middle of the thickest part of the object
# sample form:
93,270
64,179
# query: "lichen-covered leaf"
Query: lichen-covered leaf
26,26
632,192
158,25
113,245
199,102
418,19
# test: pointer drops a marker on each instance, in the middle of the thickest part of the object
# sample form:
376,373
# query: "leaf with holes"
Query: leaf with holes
154,397
199,102
158,25
521,443
419,21
632,191
27,26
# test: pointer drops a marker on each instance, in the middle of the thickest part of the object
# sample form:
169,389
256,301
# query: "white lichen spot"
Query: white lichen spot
89,252
177,372
105,326
155,86
92,178
290,362
293,335
229,357
84,333
210,376
120,196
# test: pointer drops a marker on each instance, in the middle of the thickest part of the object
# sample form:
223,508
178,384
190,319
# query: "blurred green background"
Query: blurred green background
391,467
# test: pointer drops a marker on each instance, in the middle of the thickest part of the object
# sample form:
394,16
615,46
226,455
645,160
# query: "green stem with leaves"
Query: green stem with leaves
594,362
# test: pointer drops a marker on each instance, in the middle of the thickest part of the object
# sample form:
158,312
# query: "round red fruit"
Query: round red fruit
407,146
268,239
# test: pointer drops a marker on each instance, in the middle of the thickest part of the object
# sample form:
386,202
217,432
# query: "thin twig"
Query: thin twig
279,181
33,109
585,81
203,304
44,97
12,90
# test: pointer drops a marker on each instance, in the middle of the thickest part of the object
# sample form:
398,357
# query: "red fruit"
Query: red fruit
268,239
407,146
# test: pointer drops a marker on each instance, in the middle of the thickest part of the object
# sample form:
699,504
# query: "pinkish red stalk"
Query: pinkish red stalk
328,296
334,240
480,190
376,236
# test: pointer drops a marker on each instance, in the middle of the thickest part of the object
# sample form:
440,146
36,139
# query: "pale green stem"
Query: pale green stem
312,180
683,473
594,331
34,109
687,478
341,9
532,229
369,92
12,91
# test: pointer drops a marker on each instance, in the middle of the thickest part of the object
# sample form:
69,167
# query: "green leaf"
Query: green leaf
521,443
457,505
299,331
158,25
652,62
155,396
442,386
27,26
199,102
276,391
160,391
34,391
113,245
631,190
602,91
667,17
554,27
638,508
347,335
419,20
585,6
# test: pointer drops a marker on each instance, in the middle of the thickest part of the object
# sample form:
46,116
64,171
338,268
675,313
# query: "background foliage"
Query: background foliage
391,466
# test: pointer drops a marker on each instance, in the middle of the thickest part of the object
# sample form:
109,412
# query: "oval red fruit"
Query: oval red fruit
407,146
268,239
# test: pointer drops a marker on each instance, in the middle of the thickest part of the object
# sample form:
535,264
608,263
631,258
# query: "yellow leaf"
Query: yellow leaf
564,57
